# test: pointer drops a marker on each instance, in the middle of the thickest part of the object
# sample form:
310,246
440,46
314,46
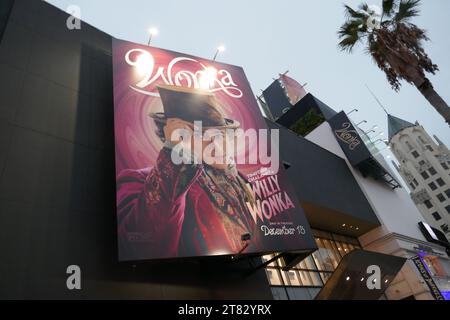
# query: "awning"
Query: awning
354,277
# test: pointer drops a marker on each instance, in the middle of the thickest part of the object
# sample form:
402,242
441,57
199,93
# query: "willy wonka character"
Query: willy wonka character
188,209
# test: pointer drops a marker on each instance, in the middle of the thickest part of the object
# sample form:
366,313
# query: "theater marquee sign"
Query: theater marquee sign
435,292
349,139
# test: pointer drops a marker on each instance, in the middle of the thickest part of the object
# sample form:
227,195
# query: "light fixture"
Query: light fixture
378,135
364,121
344,225
375,127
220,49
362,279
347,279
152,32
144,63
208,78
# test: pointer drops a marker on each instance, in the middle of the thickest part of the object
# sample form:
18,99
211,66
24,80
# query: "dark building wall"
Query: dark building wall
305,104
5,9
57,177
276,99
324,180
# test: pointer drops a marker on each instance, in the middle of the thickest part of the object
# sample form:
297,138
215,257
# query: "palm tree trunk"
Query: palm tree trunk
411,74
427,90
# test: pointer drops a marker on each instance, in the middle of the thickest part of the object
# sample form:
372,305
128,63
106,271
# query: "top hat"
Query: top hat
192,105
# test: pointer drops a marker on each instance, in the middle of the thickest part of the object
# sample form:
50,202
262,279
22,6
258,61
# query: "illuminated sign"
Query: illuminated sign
197,169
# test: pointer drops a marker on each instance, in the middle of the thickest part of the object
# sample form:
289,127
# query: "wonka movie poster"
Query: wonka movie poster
197,170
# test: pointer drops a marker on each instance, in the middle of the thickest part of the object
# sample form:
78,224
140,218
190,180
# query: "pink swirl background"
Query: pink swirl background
137,145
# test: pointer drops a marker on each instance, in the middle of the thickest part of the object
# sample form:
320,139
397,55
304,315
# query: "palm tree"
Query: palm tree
395,44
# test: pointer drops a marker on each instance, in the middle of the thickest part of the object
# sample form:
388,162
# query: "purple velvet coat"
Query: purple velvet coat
181,211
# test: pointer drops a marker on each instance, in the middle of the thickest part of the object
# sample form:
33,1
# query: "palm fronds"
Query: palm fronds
407,9
388,7
353,30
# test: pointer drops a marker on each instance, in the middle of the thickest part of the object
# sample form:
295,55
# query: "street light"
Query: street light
364,121
152,32
354,110
376,136
371,130
220,49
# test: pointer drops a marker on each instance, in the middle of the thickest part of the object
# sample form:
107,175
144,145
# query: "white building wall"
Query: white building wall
415,140
394,208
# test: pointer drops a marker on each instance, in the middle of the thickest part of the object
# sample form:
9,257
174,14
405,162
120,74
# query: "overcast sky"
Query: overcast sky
268,37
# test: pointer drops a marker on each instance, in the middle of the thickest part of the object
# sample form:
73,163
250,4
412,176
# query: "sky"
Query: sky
268,37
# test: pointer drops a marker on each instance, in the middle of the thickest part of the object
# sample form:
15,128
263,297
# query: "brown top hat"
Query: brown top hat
192,105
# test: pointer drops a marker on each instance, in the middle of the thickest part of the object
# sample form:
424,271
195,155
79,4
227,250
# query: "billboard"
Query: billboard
197,170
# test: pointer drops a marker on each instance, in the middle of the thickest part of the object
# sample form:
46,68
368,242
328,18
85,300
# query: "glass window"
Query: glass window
415,182
447,193
440,182
326,258
415,154
307,264
436,216
432,171
274,277
447,208
425,175
323,260
444,166
433,186
421,162
291,278
346,247
430,148
267,258
413,187
428,204
441,197
445,228
325,276
310,279
315,269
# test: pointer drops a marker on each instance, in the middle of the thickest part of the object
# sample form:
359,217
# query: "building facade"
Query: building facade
398,232
57,185
424,164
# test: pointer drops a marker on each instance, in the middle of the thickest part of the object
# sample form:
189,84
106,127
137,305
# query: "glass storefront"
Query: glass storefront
316,269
